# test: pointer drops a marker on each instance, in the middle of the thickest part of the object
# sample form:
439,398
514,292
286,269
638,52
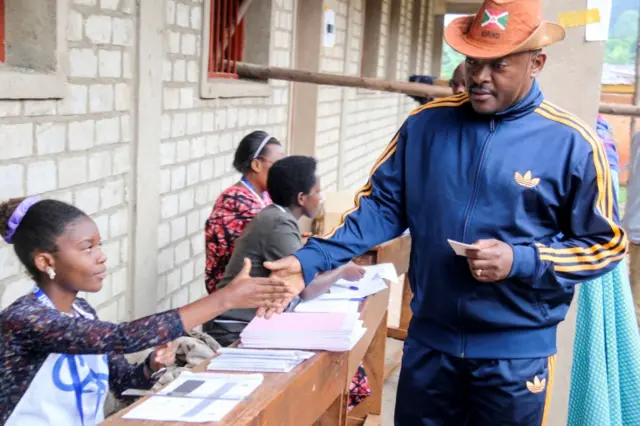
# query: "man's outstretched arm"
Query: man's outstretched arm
378,216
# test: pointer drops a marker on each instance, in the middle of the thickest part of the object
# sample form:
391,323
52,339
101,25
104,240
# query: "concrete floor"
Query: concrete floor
393,347
389,391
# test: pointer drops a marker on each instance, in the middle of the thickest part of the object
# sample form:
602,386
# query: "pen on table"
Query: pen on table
348,287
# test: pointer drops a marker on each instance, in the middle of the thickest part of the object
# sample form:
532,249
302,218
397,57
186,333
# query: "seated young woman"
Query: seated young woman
237,205
274,234
58,362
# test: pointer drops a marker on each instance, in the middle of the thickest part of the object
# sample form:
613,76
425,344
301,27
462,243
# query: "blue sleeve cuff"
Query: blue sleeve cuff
524,262
311,261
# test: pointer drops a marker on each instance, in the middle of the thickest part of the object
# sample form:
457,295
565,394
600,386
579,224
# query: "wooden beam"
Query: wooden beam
618,109
397,333
373,420
258,72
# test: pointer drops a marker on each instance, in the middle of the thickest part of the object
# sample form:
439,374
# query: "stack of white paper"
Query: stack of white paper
197,398
257,360
345,296
331,331
324,305
356,291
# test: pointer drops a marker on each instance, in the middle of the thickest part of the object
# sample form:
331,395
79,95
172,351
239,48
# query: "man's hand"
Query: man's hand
245,291
289,270
352,272
492,262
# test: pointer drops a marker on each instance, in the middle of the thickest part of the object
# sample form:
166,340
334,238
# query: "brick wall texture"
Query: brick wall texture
81,149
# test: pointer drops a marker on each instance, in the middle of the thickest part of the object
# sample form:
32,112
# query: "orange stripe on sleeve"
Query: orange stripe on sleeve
604,205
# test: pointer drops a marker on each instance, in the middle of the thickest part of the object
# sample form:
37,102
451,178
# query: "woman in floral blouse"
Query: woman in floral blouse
238,204
57,360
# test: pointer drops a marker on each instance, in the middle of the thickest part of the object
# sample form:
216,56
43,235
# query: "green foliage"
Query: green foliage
622,45
450,60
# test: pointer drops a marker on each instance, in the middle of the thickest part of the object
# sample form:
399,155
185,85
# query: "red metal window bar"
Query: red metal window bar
226,38
3,54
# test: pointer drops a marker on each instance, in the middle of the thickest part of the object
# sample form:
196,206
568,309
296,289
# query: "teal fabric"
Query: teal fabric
605,378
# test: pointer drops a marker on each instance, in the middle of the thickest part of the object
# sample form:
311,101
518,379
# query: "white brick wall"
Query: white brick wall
76,149
372,117
198,143
79,149
330,105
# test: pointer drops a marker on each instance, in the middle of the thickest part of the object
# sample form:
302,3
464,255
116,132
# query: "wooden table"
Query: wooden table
397,252
316,391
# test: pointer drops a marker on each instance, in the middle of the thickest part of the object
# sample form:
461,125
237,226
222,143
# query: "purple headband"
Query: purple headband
18,215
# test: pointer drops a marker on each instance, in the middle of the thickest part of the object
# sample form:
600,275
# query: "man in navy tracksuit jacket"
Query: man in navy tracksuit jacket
529,184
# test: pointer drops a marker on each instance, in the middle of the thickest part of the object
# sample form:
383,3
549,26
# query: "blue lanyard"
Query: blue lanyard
43,298
250,187
76,385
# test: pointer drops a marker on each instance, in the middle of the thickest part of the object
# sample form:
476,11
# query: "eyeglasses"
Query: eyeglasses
264,160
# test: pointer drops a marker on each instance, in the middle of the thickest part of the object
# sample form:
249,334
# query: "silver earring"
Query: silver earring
52,273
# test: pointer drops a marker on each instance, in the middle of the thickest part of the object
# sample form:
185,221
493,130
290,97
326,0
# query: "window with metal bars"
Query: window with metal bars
2,33
226,38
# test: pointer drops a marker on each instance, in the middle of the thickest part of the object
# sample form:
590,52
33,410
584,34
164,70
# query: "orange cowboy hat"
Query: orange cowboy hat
501,28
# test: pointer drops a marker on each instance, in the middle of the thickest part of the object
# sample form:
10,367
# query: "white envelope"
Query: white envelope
462,249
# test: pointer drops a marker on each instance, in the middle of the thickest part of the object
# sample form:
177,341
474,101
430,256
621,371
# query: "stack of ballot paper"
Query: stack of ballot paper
197,398
356,291
330,331
323,305
345,296
257,360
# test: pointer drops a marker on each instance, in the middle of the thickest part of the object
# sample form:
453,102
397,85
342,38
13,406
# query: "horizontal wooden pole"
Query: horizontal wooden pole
259,72
619,109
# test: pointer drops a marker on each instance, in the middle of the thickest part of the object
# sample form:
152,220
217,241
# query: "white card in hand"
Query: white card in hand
462,249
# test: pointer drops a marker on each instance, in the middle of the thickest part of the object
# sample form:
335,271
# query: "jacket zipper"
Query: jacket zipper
470,208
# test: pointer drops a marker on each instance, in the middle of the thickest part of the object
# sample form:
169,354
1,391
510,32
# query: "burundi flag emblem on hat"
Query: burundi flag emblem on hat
486,34
493,19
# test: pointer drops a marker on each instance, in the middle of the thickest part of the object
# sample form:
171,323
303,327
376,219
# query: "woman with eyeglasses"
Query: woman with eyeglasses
240,203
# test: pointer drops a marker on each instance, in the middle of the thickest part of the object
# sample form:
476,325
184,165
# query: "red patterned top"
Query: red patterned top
233,210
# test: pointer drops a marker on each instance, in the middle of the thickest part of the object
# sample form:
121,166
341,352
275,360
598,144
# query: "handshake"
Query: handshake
272,295
269,295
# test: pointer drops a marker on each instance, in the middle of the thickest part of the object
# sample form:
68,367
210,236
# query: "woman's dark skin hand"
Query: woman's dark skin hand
247,292
242,292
